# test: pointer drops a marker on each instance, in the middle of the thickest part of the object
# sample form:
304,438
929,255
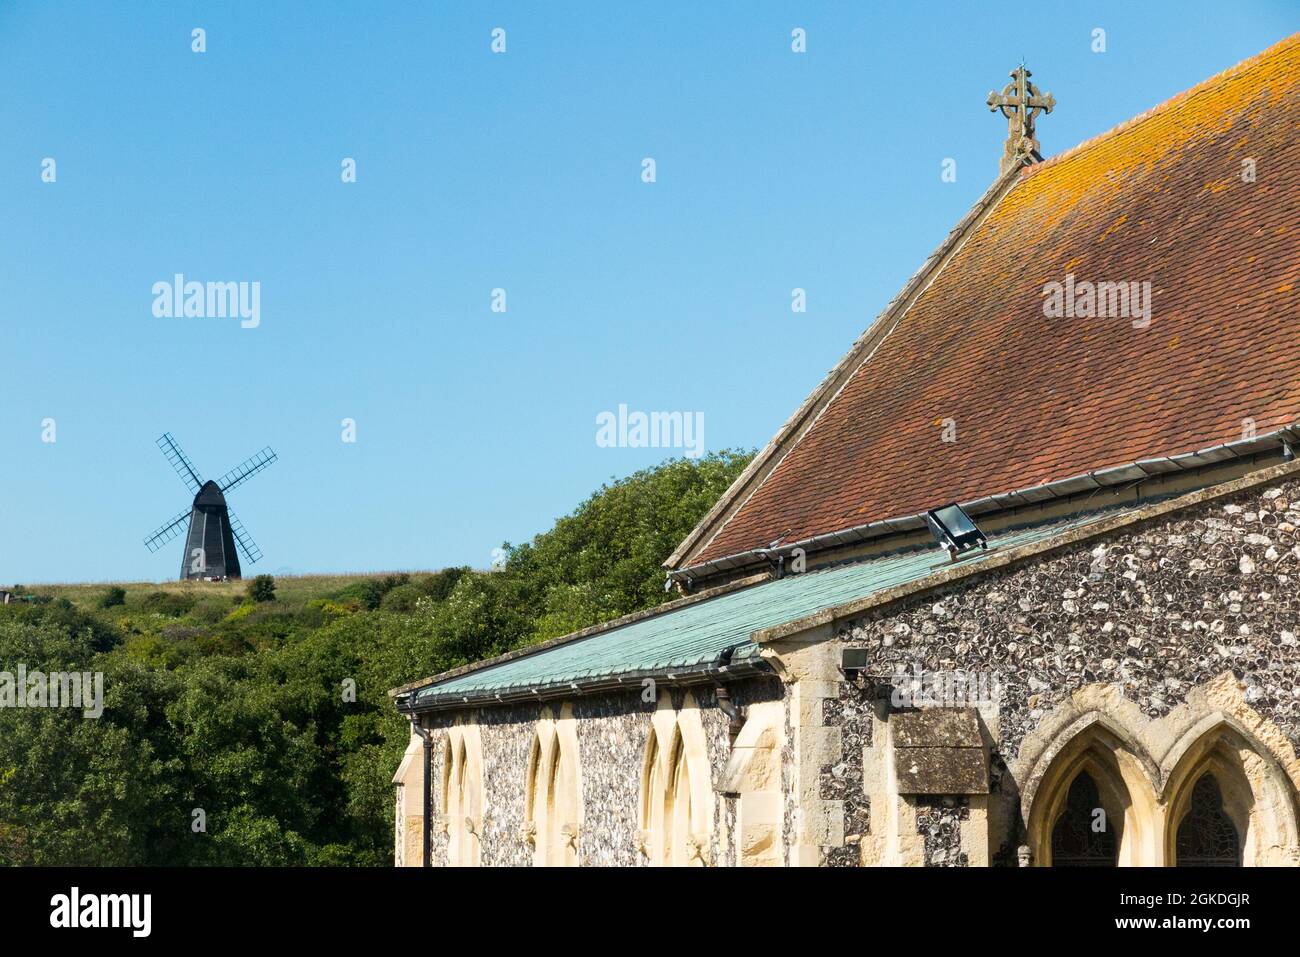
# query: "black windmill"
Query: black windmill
215,536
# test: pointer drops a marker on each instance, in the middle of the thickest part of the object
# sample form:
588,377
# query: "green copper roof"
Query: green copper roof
693,636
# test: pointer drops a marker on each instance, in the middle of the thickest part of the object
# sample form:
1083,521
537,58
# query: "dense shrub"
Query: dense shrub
439,585
210,610
173,604
262,588
402,599
373,591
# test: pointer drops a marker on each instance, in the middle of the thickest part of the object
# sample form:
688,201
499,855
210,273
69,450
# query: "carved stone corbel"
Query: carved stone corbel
569,836
697,848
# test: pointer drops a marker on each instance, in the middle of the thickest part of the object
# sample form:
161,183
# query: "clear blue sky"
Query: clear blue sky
476,171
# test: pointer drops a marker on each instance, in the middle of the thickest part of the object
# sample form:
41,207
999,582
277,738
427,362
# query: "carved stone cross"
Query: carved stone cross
1020,102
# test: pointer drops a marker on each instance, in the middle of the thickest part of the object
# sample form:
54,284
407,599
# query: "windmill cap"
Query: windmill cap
210,494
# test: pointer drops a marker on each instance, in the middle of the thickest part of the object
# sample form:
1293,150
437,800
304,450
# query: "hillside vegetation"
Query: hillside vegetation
250,725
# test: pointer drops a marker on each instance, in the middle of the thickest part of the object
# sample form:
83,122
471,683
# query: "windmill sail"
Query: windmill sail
167,532
244,540
246,470
178,460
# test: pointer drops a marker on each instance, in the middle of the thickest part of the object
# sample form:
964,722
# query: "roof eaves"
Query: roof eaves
1129,518
1005,501
591,632
720,668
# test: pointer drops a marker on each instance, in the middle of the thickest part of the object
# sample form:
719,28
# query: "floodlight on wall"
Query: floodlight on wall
954,530
853,661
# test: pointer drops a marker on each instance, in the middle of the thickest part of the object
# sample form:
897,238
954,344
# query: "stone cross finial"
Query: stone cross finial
1020,102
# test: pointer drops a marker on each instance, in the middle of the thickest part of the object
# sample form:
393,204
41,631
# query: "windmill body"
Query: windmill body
214,537
210,545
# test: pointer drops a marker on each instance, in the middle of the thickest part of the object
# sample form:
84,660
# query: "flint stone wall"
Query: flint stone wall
612,732
938,820
844,781
1157,609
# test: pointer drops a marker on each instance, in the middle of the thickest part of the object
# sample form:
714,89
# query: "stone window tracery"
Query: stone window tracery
676,814
1206,836
681,850
651,839
1191,790
462,795
553,806
1081,837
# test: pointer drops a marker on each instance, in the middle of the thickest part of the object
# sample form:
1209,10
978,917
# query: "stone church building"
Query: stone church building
1015,586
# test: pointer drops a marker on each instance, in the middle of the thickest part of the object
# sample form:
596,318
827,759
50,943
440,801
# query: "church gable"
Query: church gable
1133,299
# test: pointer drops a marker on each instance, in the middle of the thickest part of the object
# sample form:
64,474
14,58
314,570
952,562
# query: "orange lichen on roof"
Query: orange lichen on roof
1113,227
1037,399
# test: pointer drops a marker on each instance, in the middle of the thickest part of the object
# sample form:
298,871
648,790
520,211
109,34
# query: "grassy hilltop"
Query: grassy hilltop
245,726
295,589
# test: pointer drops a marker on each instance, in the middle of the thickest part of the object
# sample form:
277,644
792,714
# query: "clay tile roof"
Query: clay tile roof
1159,199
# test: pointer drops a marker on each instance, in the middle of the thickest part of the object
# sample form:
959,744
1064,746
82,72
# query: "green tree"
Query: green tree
272,718
604,559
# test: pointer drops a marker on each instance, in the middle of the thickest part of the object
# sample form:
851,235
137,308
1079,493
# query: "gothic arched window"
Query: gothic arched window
677,810
676,813
462,797
651,840
553,804
1206,835
1082,836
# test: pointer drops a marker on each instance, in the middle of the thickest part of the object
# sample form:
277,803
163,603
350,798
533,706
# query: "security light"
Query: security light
853,661
953,529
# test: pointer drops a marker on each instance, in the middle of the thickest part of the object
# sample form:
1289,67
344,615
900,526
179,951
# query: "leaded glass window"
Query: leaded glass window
1082,836
1206,836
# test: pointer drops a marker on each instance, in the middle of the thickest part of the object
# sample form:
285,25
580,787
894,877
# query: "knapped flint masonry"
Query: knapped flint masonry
1128,643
